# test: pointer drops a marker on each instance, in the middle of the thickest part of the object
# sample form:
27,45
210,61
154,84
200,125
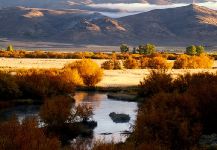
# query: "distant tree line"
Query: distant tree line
149,49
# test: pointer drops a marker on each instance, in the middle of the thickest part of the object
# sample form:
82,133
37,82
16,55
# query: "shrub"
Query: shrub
169,121
181,62
144,62
8,86
193,62
71,77
202,86
108,65
43,83
156,82
61,110
188,102
89,71
56,111
111,65
131,63
25,136
158,63
84,112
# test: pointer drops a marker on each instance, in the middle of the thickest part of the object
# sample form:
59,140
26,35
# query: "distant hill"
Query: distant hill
174,26
189,24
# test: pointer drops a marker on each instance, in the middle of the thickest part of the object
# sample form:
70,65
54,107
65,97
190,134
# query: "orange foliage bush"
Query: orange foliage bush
157,81
182,109
131,63
55,112
90,71
111,65
159,63
60,111
193,62
42,83
168,120
144,63
25,136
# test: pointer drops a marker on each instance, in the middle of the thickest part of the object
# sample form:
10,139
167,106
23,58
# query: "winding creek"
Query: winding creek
102,106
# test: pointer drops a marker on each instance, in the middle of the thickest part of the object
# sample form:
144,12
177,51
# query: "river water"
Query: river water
106,129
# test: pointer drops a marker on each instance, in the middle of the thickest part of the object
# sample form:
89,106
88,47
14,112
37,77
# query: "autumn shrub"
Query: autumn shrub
42,83
71,76
117,65
90,71
202,86
202,61
61,110
108,65
131,63
182,109
9,89
193,62
159,63
157,81
100,56
144,62
111,65
170,121
25,136
56,111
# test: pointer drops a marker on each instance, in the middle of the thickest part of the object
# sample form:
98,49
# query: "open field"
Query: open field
112,78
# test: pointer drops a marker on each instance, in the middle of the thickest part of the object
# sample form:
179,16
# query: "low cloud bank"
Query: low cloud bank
140,7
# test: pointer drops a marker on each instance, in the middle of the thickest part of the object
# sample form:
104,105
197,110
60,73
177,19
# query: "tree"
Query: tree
191,50
10,48
147,49
200,49
124,48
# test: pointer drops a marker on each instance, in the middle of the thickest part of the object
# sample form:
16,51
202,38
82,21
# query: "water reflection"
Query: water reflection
102,106
106,129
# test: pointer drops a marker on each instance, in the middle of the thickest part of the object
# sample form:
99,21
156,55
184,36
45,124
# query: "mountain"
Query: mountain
57,25
186,24
175,26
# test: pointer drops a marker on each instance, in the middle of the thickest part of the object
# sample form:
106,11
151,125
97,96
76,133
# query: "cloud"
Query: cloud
212,5
143,7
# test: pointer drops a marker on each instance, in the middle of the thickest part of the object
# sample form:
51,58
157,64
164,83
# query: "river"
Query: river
106,129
